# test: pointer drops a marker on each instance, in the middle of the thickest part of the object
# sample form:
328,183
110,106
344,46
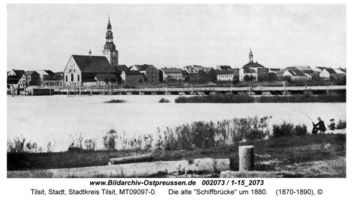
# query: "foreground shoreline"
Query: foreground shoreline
276,154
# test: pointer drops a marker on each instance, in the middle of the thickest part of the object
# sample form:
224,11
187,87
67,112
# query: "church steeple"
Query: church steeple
109,34
109,26
109,47
251,56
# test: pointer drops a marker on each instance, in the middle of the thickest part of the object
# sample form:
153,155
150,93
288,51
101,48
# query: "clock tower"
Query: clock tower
109,50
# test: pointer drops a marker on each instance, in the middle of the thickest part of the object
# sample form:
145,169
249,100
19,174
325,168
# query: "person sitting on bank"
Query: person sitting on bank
332,125
319,127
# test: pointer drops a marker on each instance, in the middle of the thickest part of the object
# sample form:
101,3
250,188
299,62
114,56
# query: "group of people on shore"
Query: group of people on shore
320,128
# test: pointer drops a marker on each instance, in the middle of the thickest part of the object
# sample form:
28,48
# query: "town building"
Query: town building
340,73
13,77
134,78
327,73
106,79
150,72
193,68
56,79
253,71
201,77
49,78
275,74
120,73
186,75
29,78
172,75
225,76
109,50
82,70
295,75
306,69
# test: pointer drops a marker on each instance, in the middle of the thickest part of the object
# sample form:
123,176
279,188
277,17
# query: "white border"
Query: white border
17,188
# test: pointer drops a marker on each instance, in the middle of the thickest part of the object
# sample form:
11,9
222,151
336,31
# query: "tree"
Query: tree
272,77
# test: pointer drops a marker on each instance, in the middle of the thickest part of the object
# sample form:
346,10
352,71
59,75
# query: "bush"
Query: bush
115,101
19,145
341,124
90,144
284,129
163,100
288,129
308,94
210,134
76,144
109,140
300,130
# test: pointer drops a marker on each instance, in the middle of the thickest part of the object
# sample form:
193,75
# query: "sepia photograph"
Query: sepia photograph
176,91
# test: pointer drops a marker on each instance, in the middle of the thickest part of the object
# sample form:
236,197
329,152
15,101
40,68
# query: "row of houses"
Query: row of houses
89,70
22,79
306,73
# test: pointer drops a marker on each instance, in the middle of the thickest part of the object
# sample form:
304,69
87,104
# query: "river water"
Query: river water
58,119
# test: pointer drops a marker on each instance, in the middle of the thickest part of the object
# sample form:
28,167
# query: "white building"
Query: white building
327,73
225,76
295,75
83,70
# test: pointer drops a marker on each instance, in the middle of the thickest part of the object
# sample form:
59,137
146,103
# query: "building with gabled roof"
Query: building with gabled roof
83,69
150,72
253,71
295,75
225,76
134,78
172,75
13,77
193,68
120,72
327,73
29,78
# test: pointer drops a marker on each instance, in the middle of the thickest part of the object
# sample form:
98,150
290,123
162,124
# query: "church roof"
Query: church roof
93,64
253,64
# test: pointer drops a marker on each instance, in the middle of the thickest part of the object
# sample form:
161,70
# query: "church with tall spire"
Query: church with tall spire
109,50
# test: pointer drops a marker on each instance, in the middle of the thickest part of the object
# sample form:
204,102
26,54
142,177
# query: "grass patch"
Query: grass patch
230,98
115,101
163,100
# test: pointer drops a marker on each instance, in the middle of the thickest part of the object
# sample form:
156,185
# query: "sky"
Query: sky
45,36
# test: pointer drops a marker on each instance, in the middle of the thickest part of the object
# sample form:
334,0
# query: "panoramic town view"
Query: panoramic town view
259,104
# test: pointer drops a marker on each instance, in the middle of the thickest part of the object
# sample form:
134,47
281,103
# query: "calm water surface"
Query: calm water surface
58,119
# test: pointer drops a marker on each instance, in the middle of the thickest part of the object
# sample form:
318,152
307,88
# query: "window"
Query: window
78,77
66,78
72,77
